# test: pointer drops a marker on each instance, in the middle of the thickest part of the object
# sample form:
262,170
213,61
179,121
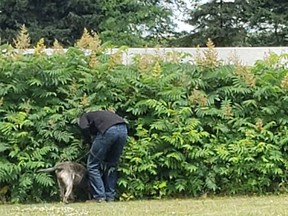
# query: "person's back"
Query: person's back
101,120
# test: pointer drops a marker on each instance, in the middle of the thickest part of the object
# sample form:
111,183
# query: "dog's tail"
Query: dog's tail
57,167
52,169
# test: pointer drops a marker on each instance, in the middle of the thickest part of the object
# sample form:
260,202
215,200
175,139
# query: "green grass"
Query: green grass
226,206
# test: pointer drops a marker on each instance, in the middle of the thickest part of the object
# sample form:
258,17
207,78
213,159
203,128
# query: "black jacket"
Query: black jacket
92,123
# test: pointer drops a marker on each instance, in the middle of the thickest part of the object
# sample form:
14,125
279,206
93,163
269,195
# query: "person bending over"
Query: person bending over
106,133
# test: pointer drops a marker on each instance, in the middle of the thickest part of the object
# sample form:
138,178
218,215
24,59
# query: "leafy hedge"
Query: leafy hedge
194,128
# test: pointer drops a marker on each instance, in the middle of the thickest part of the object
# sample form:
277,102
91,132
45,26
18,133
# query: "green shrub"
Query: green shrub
194,129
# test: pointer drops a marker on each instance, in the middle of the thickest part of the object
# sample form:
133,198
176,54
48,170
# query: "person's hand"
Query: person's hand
87,147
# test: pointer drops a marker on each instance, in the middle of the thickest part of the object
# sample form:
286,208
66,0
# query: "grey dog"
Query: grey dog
70,176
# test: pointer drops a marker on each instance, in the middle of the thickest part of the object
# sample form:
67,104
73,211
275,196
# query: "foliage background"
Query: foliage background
149,22
236,23
202,128
122,22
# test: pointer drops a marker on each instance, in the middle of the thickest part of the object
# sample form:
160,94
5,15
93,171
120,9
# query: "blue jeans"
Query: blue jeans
103,159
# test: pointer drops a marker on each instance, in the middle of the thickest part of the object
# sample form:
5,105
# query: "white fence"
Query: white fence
247,55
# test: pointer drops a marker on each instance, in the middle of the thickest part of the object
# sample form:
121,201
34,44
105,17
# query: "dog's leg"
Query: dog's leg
72,196
61,188
69,188
67,193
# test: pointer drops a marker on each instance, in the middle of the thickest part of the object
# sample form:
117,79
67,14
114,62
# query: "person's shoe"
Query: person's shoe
100,200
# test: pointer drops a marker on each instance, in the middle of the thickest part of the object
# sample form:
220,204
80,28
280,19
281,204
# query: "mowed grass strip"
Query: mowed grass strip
218,206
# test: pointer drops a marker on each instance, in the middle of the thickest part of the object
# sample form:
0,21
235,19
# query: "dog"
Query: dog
70,176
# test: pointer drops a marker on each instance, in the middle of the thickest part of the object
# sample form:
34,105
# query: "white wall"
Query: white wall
247,55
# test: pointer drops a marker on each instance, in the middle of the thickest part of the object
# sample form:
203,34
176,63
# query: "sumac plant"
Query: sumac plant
201,128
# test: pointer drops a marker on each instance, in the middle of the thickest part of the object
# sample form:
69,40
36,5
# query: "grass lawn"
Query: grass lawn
224,206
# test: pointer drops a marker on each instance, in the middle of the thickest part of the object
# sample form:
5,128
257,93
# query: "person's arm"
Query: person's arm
85,129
